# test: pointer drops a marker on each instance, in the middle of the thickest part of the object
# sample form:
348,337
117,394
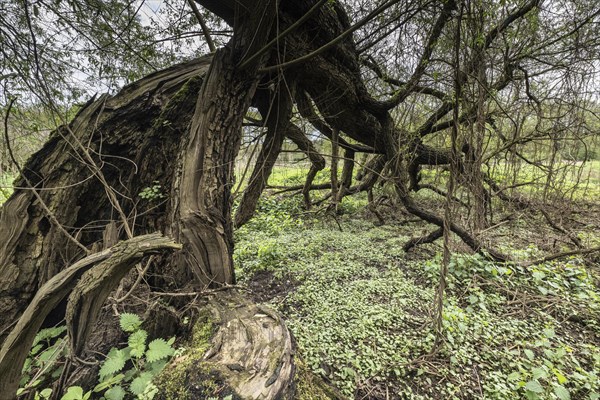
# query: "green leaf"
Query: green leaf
559,376
57,372
531,395
534,386
539,275
130,322
45,394
159,349
156,366
549,333
529,354
562,393
115,361
137,343
515,376
35,349
51,354
115,393
105,384
139,384
538,373
73,393
48,333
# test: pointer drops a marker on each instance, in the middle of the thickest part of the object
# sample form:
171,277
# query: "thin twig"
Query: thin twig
205,31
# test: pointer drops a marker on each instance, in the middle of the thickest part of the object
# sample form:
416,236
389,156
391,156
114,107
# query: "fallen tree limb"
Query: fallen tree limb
522,203
557,256
16,346
435,219
429,238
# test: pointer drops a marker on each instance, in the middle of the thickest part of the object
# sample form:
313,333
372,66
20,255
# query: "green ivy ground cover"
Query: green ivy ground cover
361,311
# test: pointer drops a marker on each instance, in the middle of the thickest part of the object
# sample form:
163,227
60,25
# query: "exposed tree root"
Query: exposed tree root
250,354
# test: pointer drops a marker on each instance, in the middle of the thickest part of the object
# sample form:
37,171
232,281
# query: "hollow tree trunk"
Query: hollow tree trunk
133,137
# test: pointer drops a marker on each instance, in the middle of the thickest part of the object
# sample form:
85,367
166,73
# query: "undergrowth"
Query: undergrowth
126,372
5,187
361,313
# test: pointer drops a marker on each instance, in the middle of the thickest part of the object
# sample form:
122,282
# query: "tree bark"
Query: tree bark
134,137
204,224
118,259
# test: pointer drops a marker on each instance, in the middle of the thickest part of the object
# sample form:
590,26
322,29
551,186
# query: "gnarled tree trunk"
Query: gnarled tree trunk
133,138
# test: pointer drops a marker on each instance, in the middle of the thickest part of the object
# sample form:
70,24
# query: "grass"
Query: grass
360,309
572,181
5,187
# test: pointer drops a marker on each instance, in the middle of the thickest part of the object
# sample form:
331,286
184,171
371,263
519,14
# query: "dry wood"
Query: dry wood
251,350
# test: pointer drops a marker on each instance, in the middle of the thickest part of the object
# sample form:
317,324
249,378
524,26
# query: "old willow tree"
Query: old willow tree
356,71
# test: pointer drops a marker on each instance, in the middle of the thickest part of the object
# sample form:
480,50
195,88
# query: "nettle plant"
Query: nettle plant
134,366
43,362
125,373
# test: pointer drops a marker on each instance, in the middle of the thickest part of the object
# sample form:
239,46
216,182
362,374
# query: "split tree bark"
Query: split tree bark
134,137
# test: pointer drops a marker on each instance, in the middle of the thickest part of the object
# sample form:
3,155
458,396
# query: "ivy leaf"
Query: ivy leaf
529,354
115,361
534,386
562,393
115,393
137,343
159,349
130,322
139,384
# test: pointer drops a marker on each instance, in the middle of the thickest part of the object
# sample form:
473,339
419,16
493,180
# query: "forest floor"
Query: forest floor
361,309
